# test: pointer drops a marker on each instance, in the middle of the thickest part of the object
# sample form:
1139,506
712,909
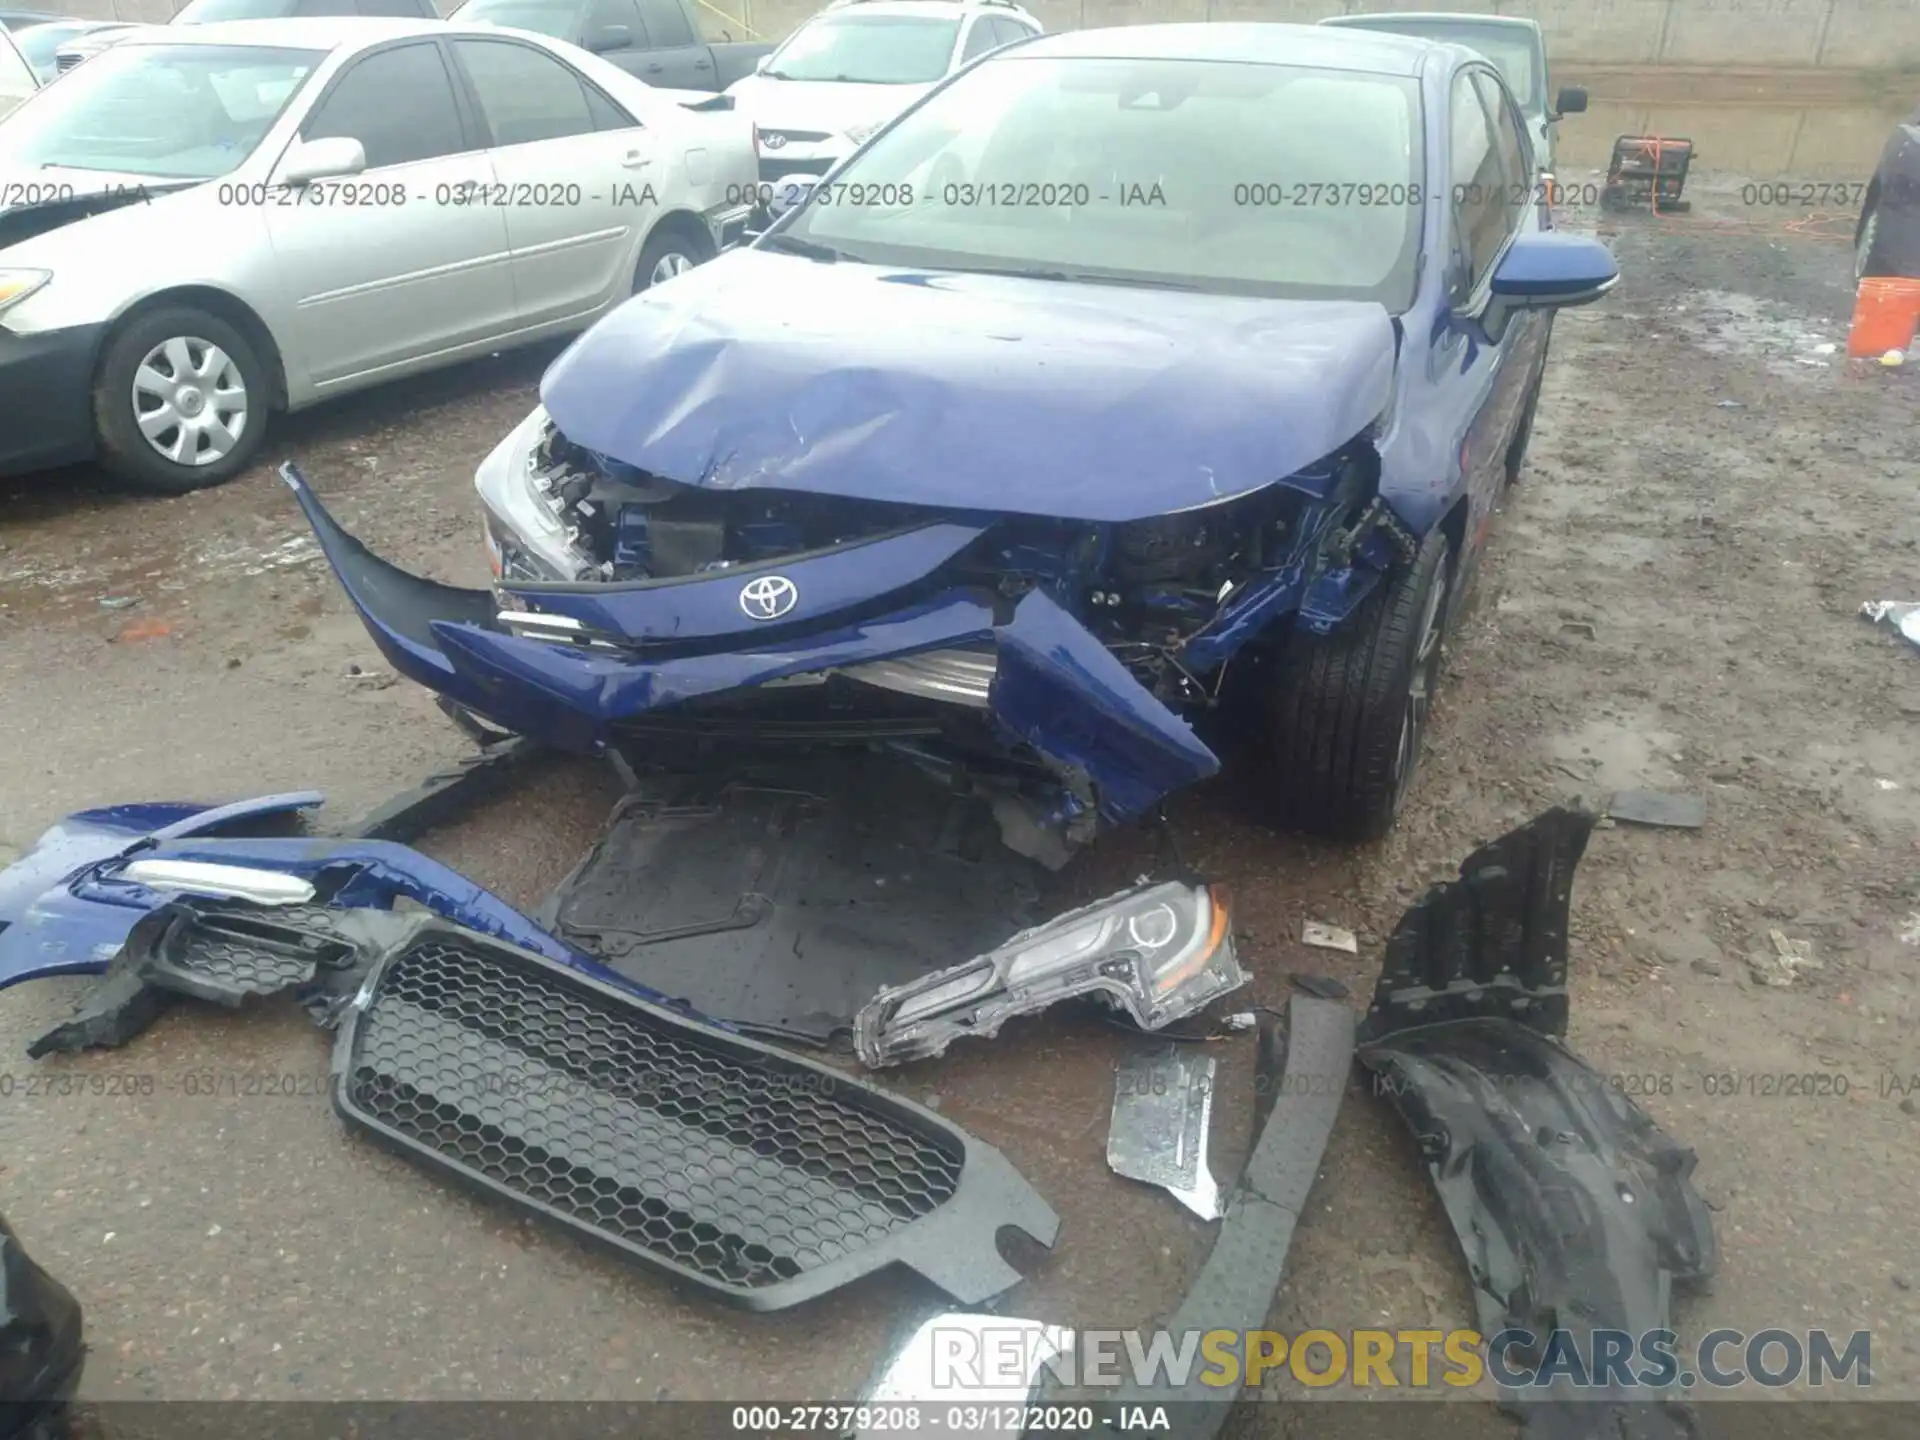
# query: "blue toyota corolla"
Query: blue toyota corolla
1134,380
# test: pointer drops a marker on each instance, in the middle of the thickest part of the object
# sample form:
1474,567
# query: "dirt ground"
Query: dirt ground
1669,602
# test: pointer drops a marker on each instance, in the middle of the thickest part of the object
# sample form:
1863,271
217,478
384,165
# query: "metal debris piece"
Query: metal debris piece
1903,615
1652,807
1162,1111
1781,966
1328,937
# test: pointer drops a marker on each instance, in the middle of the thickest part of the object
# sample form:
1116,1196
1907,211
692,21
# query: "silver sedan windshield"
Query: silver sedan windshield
173,112
1232,177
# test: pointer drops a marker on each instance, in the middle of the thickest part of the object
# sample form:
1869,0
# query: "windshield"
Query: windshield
868,50
205,12
1509,47
1143,171
38,43
558,18
170,112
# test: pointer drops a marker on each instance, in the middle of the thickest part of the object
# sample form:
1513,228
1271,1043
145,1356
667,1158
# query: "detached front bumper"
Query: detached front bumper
574,662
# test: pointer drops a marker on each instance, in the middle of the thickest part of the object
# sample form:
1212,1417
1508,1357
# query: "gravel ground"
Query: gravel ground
1669,602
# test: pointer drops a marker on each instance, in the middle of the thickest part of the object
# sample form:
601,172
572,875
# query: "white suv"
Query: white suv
851,68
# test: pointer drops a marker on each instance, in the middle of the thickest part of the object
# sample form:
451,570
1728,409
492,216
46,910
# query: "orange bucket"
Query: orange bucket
1886,313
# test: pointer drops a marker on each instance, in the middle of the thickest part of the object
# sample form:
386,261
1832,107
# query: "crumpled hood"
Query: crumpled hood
820,104
966,391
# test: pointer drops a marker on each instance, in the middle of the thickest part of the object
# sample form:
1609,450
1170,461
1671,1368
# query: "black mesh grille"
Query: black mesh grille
736,1167
249,956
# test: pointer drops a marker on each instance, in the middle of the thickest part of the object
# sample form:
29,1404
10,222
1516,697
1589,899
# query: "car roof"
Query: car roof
1445,17
1315,46
917,7
332,32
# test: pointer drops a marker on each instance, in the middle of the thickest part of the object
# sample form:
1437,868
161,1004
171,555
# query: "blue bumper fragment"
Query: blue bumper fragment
1057,688
65,910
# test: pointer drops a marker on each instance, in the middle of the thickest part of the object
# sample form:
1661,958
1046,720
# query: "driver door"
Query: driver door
405,276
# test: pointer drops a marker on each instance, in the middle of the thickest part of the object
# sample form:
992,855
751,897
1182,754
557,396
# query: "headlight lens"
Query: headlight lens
17,285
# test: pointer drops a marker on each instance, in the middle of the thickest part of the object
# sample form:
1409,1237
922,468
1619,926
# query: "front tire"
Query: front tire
1350,709
667,255
180,401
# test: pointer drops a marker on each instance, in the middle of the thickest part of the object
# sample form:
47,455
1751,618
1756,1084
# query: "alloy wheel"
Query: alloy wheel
1426,676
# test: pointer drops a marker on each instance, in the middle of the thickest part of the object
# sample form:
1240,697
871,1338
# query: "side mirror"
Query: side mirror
1572,100
324,159
609,37
1548,271
760,65
790,193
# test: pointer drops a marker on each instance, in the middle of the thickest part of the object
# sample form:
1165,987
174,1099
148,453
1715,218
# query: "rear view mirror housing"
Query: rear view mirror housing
1572,100
328,158
608,38
1548,270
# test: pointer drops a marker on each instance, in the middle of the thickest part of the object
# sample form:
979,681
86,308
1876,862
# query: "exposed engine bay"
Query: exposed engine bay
1144,587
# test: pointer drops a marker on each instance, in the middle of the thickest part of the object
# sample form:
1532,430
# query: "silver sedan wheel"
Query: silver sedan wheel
667,266
190,401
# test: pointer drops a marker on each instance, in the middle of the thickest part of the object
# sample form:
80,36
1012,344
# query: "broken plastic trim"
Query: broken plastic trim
1158,953
1236,1285
41,1355
1569,1203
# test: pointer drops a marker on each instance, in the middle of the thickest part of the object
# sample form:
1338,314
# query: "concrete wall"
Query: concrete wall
1818,34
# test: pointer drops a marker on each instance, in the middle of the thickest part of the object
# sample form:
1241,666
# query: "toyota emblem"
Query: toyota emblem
769,597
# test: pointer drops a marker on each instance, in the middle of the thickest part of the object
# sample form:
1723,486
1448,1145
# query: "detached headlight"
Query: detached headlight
1159,953
860,134
17,285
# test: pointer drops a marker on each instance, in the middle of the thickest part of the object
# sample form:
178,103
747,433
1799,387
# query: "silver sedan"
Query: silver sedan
202,226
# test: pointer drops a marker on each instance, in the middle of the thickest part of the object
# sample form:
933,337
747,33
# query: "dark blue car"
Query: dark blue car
1135,380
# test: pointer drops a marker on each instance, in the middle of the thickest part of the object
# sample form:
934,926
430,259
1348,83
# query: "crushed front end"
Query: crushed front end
1051,664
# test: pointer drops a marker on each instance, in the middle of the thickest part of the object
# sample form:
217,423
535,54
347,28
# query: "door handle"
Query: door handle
636,160
703,64
655,69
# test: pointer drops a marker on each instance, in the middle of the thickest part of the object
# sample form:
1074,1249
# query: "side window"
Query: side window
16,76
1516,155
524,95
1479,206
666,23
624,14
333,7
607,115
410,9
397,103
1008,31
980,39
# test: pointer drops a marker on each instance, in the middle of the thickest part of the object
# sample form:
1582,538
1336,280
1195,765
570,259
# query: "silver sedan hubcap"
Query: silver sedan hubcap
189,401
667,266
1426,670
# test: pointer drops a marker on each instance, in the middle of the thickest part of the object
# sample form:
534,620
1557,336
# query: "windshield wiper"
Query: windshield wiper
1089,278
794,245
